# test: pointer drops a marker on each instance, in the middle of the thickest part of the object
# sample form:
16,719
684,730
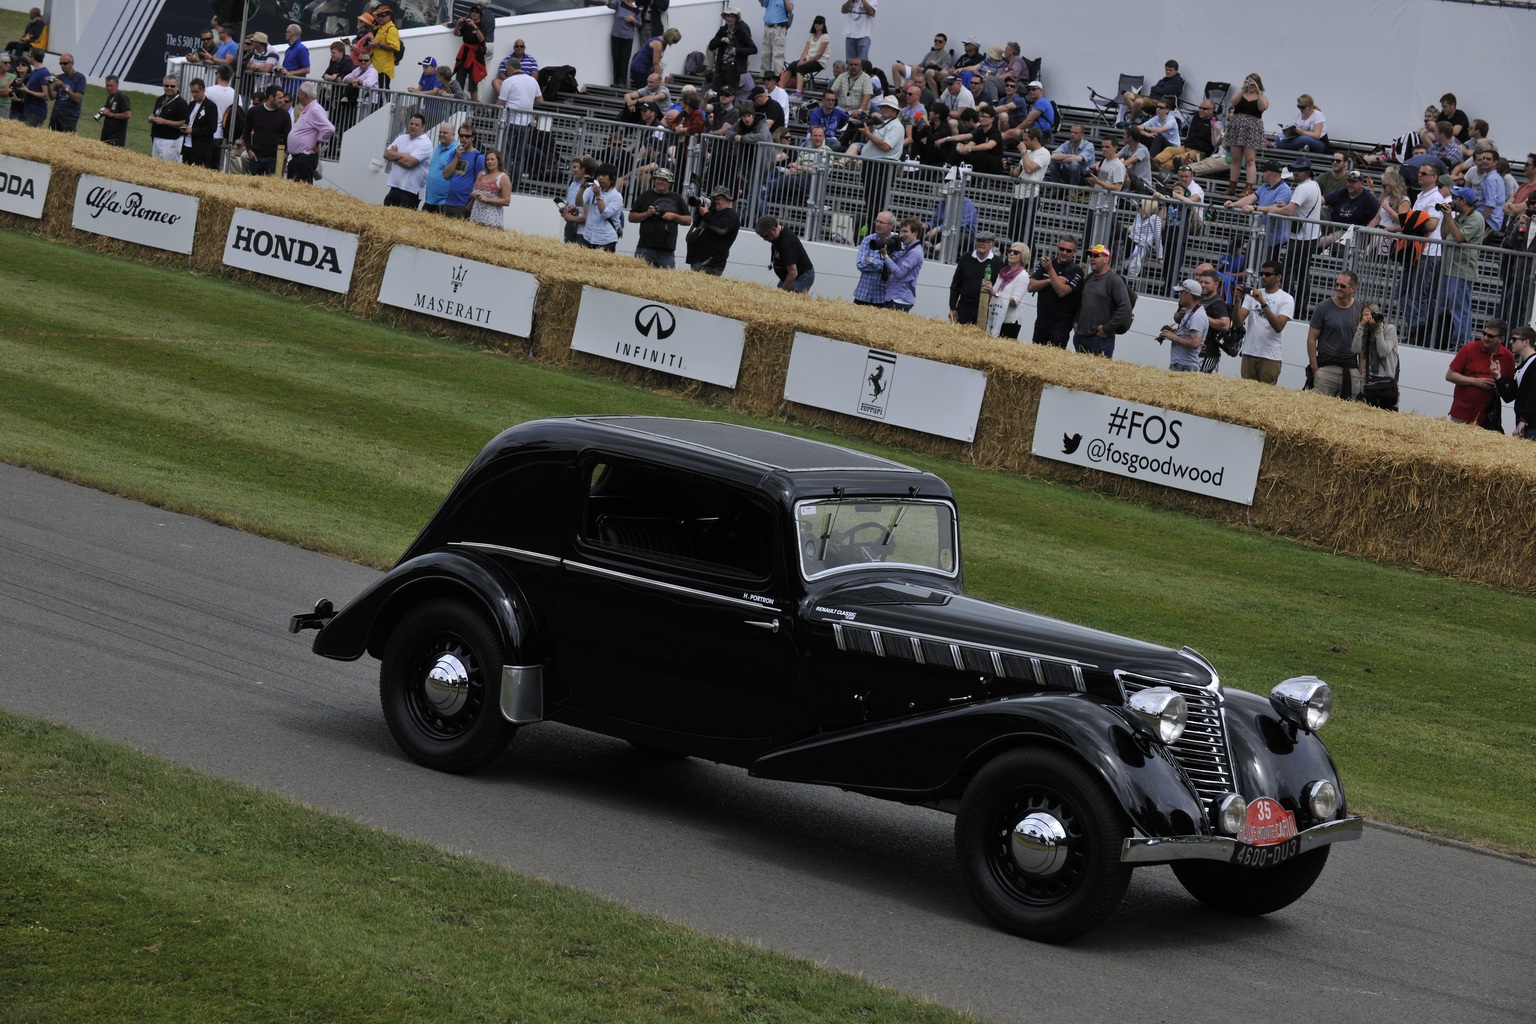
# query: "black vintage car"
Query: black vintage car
797,609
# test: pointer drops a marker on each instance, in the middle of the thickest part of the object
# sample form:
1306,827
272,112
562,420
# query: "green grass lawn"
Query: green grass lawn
340,434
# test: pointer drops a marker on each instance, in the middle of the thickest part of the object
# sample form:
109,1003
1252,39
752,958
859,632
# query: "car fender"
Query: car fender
1271,757
929,758
363,626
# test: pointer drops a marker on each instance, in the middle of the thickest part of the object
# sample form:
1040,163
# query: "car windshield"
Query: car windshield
835,536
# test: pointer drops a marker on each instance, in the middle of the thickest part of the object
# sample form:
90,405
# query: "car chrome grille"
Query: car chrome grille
1202,750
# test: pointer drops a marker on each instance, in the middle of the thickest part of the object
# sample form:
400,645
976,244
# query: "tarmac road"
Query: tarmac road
169,634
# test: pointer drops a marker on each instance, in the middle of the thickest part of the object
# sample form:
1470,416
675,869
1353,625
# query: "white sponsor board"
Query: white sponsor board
684,342
23,186
464,291
905,391
291,250
135,213
1144,442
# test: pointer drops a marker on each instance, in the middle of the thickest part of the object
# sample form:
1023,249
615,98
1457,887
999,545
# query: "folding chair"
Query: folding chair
1107,108
1032,70
1216,92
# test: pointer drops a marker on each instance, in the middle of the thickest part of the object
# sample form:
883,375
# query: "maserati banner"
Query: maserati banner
464,291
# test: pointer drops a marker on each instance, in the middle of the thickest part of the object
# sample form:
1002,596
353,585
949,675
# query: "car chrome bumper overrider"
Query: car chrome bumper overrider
1172,848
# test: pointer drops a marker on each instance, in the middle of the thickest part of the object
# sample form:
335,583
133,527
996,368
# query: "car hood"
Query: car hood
914,622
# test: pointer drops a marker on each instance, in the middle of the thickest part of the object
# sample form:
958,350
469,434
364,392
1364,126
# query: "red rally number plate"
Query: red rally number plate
1268,835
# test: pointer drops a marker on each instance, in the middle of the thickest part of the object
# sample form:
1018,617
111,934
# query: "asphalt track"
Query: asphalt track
169,634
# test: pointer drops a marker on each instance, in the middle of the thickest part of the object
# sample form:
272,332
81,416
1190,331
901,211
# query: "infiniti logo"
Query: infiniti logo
655,321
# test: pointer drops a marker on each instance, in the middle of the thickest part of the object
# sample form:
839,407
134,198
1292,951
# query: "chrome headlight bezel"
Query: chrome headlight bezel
1304,701
1164,711
1323,800
1228,814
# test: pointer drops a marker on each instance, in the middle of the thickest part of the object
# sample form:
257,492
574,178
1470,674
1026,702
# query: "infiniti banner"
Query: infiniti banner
683,342
1161,446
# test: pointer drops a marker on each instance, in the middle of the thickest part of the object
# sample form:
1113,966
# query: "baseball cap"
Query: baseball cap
1354,176
1190,285
970,41
1270,165
428,62
1099,250
730,12
1466,195
664,175
719,190
1302,163
757,91
1036,84
378,11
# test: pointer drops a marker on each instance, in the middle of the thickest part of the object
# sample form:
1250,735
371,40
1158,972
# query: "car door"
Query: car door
671,612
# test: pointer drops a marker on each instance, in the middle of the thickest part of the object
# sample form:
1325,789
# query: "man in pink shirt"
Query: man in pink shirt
311,130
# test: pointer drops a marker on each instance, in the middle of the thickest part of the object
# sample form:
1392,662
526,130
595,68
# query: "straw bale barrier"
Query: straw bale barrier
1406,489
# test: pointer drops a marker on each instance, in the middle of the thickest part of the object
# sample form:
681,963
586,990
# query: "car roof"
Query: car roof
762,448
790,466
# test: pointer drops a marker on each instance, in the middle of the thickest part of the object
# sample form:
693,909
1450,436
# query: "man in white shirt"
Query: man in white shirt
1034,161
1107,177
1420,281
1264,313
1306,204
858,27
408,157
520,93
222,97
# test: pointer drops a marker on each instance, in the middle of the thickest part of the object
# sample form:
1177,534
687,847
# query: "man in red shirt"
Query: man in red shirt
1476,371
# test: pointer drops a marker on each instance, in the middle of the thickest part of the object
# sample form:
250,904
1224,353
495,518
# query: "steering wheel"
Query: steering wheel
870,550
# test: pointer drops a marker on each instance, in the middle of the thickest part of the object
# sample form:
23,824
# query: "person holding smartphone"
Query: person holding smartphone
463,165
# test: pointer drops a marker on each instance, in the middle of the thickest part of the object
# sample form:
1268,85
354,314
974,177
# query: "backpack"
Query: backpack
693,64
1231,341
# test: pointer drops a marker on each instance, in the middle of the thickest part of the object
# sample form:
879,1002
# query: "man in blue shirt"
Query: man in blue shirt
829,117
68,91
295,62
776,15
452,172
35,92
1492,192
228,50
1073,159
1272,195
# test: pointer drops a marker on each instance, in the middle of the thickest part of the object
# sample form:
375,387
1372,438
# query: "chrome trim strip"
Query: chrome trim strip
522,693
1172,848
1076,666
500,549
734,602
837,634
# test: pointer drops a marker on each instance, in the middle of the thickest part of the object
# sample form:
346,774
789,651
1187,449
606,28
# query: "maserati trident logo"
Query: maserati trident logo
459,273
653,321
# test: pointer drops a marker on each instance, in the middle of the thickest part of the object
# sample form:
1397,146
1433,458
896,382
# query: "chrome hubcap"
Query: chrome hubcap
447,688
1039,844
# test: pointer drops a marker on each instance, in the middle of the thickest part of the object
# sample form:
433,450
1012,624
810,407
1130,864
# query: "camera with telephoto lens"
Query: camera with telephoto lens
859,117
891,244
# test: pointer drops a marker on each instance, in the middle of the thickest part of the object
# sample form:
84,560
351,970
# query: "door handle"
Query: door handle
771,626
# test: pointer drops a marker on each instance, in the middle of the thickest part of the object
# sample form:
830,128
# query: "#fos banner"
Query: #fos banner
464,291
1143,442
682,342
291,250
135,213
906,391
23,186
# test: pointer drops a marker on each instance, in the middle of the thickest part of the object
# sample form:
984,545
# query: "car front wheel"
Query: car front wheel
440,686
1038,837
1251,892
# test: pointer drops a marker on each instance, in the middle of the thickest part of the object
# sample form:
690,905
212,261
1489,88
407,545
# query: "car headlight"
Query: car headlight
1304,701
1165,712
1229,813
1323,800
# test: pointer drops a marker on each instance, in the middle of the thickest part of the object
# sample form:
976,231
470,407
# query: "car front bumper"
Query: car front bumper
1165,850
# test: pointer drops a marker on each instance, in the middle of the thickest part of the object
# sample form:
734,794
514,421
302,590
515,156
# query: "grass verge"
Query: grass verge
343,435
139,890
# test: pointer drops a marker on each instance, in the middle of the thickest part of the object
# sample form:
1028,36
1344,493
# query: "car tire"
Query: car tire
440,687
1251,892
1046,887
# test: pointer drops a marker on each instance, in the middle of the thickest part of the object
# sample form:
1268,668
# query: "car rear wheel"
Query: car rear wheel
1038,837
440,686
1251,892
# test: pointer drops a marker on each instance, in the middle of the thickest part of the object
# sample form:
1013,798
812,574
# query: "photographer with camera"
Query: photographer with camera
658,212
731,46
36,91
1186,337
790,263
877,259
68,90
600,211
715,226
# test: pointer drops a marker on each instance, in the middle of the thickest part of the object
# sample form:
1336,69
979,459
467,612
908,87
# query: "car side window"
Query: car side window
679,519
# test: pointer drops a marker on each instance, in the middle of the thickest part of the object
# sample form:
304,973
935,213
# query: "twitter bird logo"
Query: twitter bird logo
1069,443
